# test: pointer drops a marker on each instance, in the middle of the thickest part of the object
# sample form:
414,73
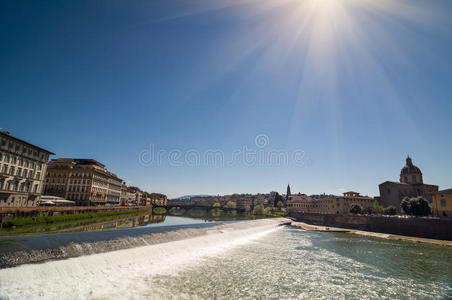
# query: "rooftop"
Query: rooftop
7,135
79,161
447,191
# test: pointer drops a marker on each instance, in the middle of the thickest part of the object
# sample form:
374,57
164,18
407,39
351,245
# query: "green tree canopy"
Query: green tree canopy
377,208
356,209
416,206
406,205
390,211
230,204
367,210
258,210
217,204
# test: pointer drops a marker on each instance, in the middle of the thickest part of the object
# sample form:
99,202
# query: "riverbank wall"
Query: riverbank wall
431,228
9,213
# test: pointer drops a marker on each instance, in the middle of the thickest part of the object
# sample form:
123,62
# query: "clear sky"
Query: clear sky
343,89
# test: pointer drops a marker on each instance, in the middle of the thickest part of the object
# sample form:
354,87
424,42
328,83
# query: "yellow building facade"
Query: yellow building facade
330,205
442,203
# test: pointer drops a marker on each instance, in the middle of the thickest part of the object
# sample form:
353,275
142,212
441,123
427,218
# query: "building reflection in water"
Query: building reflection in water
127,222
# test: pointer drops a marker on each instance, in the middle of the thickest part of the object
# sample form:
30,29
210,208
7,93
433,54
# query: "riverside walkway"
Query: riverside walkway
310,227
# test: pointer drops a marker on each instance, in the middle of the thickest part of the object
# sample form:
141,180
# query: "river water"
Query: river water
238,260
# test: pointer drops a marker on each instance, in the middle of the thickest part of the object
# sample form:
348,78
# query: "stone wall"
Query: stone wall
418,227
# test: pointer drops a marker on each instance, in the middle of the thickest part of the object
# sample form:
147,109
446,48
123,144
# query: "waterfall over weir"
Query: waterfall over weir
108,273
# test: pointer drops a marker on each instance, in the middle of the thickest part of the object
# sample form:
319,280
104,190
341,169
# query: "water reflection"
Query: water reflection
127,222
214,214
206,215
94,224
131,221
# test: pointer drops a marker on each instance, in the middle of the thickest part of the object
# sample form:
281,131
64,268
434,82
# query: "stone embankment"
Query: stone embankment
310,227
420,227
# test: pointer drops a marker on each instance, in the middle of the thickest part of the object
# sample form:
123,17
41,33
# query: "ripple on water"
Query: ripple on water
255,260
305,265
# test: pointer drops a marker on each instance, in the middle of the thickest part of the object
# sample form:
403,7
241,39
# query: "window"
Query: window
15,185
443,203
413,178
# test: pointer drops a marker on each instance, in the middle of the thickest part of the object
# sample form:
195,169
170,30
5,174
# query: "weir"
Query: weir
240,260
163,253
39,248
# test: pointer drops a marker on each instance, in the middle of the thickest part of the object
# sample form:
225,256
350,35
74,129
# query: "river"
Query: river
194,259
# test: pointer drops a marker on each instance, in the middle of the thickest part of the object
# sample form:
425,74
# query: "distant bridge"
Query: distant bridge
191,205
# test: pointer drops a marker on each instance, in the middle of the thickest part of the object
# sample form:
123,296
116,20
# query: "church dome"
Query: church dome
409,168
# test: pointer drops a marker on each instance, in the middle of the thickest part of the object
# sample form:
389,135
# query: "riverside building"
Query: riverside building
329,205
114,190
85,181
128,196
442,203
158,199
22,170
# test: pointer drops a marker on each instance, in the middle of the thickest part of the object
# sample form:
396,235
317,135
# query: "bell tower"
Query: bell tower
288,194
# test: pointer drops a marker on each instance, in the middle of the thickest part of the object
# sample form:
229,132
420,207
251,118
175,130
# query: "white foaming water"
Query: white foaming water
124,274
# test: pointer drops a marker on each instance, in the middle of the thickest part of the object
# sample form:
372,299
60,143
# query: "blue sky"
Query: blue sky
354,86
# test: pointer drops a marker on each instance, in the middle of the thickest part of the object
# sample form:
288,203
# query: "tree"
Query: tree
377,208
258,209
267,211
280,204
390,211
230,204
420,207
217,204
355,209
278,198
416,206
367,210
406,205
